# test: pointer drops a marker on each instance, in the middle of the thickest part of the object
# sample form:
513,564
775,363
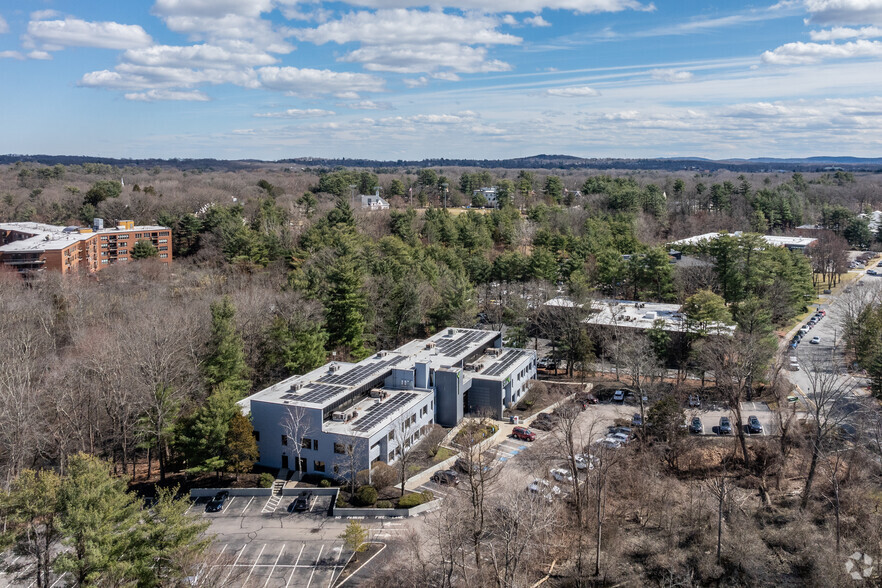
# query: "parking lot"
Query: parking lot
258,543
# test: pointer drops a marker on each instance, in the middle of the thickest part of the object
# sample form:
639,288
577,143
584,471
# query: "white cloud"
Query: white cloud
223,20
671,75
802,53
11,55
158,95
536,6
72,32
42,55
44,14
572,92
4,27
840,33
309,82
510,20
537,21
296,113
408,27
366,105
415,83
193,56
849,12
420,58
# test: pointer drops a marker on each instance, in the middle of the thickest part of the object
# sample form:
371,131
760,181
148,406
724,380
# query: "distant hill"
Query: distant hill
541,161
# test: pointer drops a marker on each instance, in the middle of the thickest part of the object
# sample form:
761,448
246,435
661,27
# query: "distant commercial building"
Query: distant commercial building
791,243
372,409
32,247
373,202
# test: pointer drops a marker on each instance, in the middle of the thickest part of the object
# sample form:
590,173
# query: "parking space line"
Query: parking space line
272,569
230,503
299,554
246,506
293,571
233,567
315,565
58,580
336,564
256,559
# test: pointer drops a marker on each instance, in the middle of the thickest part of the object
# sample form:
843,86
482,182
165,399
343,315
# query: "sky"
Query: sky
479,79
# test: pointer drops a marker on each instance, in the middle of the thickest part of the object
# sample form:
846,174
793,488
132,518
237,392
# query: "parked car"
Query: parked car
619,437
607,443
696,428
300,503
619,396
216,504
694,401
584,462
463,466
872,272
446,477
815,340
636,420
725,426
623,430
754,427
544,488
562,475
523,433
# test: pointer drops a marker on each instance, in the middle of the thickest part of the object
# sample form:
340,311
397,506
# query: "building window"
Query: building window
318,466
306,443
284,439
336,469
163,240
391,456
163,255
339,448
122,236
104,261
164,248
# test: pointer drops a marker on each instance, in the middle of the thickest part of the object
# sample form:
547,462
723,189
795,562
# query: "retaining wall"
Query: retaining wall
208,492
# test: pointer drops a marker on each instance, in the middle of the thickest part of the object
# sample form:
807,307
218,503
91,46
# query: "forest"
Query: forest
133,373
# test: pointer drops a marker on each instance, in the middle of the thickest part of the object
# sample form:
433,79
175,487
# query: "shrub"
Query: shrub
325,483
384,504
341,503
415,499
266,480
365,496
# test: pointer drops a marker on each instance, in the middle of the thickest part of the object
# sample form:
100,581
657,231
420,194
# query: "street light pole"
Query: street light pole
352,188
445,185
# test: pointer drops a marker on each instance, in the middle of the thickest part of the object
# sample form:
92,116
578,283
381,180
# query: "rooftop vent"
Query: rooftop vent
497,351
333,368
451,331
430,345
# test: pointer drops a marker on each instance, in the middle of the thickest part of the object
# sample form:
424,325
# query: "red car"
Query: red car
523,434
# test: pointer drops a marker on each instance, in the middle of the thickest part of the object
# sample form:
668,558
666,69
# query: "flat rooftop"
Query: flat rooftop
495,365
333,381
375,413
53,238
778,240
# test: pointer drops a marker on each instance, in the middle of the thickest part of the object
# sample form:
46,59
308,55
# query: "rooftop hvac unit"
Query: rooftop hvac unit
333,368
382,353
377,393
338,417
430,345
650,315
475,367
494,351
451,331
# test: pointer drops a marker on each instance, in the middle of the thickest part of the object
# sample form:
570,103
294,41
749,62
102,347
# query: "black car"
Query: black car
725,426
448,477
753,425
696,428
216,504
300,503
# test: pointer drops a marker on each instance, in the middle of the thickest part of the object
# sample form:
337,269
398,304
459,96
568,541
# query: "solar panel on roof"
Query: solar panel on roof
319,393
505,362
377,413
359,373
454,347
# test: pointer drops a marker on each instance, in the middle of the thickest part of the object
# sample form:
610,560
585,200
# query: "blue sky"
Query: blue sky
396,79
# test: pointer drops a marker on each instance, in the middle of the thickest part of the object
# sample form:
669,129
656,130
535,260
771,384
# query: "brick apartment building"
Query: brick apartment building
29,247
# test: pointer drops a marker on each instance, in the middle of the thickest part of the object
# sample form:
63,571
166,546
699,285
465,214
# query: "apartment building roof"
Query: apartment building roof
52,238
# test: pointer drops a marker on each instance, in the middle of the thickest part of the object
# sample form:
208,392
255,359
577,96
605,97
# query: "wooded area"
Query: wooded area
275,269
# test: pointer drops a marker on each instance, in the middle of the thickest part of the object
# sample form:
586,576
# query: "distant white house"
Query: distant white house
489,194
373,202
